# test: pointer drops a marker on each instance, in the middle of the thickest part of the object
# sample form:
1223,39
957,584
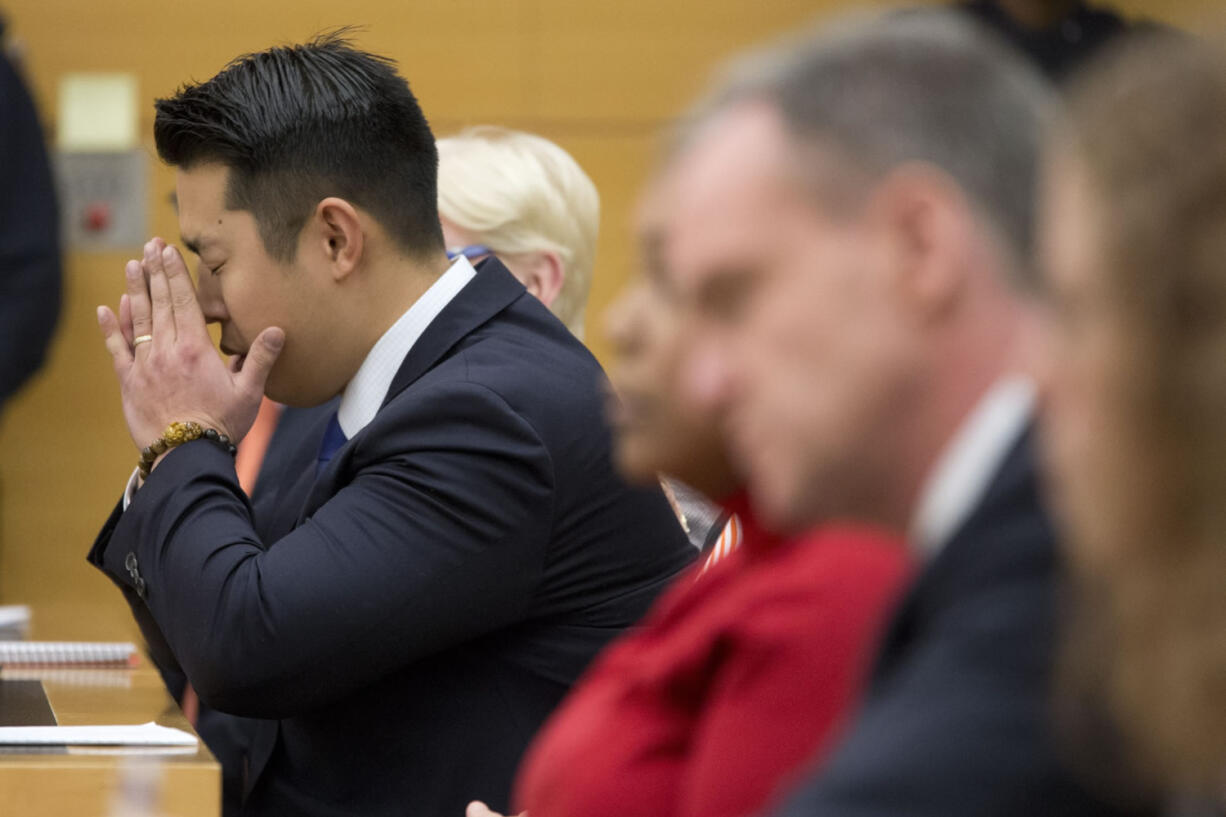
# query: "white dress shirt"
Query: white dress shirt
969,462
368,388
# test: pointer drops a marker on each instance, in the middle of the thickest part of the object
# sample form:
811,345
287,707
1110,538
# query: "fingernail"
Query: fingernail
100,312
168,253
275,340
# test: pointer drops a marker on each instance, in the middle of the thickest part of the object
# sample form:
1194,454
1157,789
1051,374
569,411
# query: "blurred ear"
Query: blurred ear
927,225
337,234
541,273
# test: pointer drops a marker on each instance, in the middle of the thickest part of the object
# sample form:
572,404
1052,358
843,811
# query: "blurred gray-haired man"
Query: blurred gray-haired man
854,219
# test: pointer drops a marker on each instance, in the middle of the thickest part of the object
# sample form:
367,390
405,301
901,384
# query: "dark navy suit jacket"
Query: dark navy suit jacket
405,621
956,720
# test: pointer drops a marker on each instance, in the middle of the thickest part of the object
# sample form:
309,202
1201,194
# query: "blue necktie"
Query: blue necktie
333,439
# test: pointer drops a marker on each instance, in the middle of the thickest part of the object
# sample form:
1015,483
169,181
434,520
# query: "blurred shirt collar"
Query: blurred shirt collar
969,462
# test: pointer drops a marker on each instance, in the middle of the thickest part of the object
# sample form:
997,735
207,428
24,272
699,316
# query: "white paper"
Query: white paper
146,734
16,616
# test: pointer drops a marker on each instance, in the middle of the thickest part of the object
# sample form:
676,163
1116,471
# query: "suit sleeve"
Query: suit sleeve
29,238
155,642
439,538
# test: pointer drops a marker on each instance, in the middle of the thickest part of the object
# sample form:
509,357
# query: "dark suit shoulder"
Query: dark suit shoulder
956,720
613,546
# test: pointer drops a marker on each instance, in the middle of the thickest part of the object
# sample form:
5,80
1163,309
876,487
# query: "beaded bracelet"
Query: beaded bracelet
177,434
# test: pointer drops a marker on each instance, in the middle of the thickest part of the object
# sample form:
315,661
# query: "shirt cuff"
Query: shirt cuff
134,482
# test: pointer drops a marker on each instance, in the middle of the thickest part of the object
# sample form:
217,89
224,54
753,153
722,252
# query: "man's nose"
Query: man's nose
706,378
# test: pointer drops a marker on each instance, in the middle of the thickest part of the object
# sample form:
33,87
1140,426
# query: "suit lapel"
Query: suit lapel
492,290
1013,489
281,496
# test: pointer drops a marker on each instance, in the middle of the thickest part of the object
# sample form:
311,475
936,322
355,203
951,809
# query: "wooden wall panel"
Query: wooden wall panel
643,60
68,458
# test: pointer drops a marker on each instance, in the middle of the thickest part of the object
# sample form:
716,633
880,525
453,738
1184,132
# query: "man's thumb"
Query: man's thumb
260,357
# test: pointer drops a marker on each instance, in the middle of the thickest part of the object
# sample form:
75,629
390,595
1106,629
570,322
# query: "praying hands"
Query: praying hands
167,367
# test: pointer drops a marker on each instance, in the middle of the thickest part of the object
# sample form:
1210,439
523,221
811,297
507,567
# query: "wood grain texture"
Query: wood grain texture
85,783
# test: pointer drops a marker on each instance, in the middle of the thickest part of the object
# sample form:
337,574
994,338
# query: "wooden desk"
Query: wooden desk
80,784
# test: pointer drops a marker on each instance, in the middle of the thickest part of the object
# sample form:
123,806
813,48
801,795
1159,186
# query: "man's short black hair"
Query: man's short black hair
296,124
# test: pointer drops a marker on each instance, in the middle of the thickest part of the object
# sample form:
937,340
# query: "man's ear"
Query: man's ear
338,235
927,222
542,275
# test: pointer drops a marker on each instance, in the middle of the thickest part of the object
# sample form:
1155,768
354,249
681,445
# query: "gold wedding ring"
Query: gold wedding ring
138,340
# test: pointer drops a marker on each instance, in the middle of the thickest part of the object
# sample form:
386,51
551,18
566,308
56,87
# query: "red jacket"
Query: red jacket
734,682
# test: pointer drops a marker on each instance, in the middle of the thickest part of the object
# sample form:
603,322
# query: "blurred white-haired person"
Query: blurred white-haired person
524,199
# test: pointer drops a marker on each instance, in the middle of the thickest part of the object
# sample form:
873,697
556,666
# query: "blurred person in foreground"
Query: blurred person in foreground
30,279
656,435
854,217
747,668
430,584
1134,247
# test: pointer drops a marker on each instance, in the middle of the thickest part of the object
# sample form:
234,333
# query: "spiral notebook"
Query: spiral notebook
68,653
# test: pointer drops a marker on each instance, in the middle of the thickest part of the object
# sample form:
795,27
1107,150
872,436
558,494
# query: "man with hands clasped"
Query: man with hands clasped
164,358
417,600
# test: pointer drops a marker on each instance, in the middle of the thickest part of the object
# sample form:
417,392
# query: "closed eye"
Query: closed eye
726,292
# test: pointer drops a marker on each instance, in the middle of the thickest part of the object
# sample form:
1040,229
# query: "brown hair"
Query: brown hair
1146,126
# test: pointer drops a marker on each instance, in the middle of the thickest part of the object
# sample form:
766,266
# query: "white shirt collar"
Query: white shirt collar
969,461
368,388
